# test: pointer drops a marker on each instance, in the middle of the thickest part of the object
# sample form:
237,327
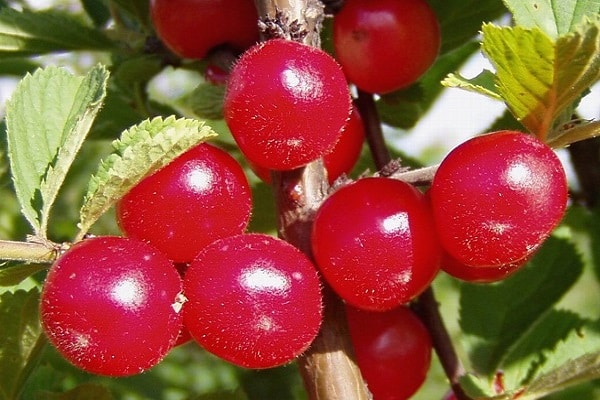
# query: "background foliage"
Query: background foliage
541,327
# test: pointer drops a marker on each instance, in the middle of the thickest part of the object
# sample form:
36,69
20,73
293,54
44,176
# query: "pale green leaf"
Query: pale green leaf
141,150
31,33
518,303
19,339
48,117
484,83
538,78
554,17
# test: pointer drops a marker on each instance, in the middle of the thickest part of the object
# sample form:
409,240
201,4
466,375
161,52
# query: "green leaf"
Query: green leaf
32,33
17,66
554,17
20,342
539,79
484,83
460,20
97,10
13,275
48,117
206,101
575,360
497,316
141,150
85,391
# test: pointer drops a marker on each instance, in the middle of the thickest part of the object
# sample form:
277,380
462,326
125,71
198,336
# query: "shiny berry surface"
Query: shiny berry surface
254,300
191,28
393,351
473,274
111,306
286,104
342,158
374,242
199,197
497,197
385,45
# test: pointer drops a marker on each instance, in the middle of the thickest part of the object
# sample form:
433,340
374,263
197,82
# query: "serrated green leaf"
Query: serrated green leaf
141,150
522,363
28,33
554,17
48,118
484,83
539,79
19,345
517,303
85,391
575,360
13,275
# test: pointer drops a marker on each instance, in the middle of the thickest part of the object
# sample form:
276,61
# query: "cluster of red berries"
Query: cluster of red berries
116,305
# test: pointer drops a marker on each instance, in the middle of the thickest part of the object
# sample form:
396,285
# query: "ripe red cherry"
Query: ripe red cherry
374,242
254,300
286,104
497,197
191,28
344,155
473,274
393,351
385,45
200,197
110,305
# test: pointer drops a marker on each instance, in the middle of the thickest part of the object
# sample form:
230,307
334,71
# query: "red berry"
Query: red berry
393,351
472,274
200,197
375,244
497,197
110,305
254,300
385,45
191,28
344,155
286,104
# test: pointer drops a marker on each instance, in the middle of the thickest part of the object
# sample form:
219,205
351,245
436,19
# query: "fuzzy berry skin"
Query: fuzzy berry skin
497,197
201,196
473,274
374,242
254,300
385,45
286,104
393,351
111,306
191,28
342,158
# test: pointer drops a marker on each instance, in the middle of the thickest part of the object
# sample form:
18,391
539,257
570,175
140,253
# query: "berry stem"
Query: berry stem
426,305
33,252
328,368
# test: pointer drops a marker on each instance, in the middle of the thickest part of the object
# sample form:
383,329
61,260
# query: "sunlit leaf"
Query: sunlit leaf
140,151
538,78
554,17
48,118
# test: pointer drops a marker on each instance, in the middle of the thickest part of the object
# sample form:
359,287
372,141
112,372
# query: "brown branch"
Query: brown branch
328,368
